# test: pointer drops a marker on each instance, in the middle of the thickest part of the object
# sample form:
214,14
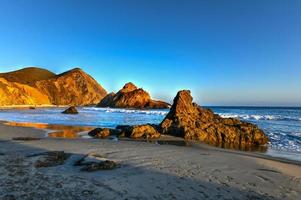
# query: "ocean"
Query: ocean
281,124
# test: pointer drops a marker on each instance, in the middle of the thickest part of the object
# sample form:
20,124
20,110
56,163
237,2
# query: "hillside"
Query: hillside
73,87
34,86
27,75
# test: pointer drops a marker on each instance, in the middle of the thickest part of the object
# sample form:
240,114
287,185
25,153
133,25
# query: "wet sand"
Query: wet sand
146,171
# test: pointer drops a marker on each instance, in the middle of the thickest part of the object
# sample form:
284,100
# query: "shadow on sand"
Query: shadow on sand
20,180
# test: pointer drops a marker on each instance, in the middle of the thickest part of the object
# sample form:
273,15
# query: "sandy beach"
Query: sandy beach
145,171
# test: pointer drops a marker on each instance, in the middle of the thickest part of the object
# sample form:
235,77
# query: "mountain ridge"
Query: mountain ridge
37,86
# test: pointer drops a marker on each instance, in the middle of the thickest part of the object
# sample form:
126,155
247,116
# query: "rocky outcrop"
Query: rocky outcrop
146,131
71,110
74,87
186,119
103,132
107,100
35,86
131,97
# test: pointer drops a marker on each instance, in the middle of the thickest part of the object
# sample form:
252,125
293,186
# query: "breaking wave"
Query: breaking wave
259,117
133,111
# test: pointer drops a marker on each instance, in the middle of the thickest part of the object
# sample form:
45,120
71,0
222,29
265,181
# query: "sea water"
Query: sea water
282,125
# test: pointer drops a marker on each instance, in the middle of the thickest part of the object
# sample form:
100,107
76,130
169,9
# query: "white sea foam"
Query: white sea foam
133,111
258,117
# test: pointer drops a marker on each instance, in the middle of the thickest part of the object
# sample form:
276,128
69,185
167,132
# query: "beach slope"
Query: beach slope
145,171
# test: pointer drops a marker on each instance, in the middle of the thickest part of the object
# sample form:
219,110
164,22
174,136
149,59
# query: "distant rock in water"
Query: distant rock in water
35,86
70,110
131,97
192,122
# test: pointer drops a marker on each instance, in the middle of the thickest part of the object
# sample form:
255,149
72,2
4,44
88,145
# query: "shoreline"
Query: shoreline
147,170
69,132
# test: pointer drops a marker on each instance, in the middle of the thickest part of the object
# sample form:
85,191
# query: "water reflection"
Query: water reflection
55,130
66,131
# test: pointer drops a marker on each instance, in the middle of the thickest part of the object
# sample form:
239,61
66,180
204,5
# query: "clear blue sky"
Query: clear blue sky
228,52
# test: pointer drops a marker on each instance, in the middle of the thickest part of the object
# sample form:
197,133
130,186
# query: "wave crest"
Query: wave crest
134,111
259,117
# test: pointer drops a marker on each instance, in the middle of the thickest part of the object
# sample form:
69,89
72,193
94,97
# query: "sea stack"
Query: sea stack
192,122
130,96
71,110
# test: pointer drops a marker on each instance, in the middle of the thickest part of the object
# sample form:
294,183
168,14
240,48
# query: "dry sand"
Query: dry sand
146,171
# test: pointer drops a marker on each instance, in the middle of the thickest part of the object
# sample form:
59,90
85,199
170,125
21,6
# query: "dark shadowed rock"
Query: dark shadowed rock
107,100
139,131
70,110
131,97
186,119
52,158
26,138
91,163
104,165
103,132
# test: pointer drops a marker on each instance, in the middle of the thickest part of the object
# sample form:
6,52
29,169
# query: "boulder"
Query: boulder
192,122
103,132
131,96
140,131
51,159
70,110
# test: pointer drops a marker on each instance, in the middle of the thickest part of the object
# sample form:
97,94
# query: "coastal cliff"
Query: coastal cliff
130,96
35,86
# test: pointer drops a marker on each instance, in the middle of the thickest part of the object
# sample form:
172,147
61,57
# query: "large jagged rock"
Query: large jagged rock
73,87
35,86
186,119
131,97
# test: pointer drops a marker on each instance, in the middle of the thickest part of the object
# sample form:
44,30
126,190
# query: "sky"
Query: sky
227,52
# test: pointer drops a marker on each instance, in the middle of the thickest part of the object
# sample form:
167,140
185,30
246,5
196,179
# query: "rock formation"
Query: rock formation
103,132
71,110
146,131
186,119
131,97
35,86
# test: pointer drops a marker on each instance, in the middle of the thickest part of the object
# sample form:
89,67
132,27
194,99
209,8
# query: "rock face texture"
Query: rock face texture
71,110
186,119
103,132
13,93
73,87
35,86
131,97
139,131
